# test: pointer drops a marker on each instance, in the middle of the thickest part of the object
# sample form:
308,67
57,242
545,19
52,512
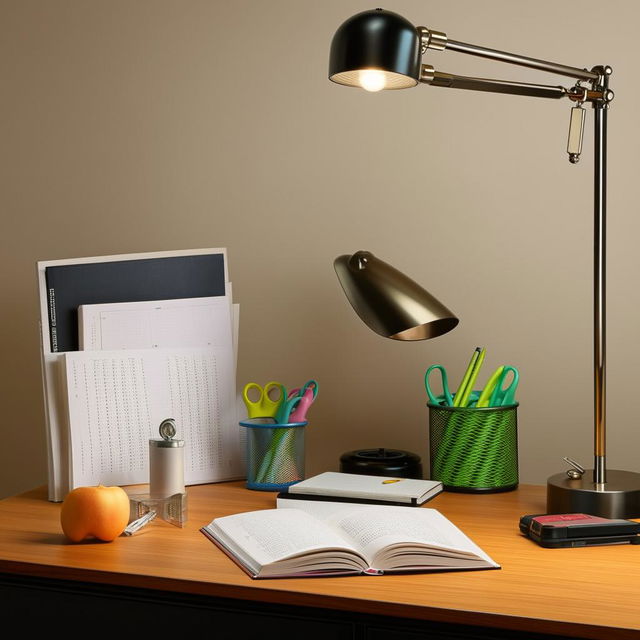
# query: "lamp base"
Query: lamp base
382,462
619,497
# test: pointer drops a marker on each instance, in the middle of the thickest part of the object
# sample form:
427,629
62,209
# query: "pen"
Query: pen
465,379
132,527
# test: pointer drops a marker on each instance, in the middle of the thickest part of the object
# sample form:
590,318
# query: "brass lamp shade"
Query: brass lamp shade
390,303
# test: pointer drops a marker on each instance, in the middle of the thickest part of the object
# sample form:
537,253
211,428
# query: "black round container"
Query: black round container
382,462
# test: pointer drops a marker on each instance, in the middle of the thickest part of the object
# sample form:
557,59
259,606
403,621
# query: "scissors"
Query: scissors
295,407
309,384
269,401
503,396
299,413
448,398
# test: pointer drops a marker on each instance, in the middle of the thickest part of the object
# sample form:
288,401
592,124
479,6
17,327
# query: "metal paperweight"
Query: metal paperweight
166,462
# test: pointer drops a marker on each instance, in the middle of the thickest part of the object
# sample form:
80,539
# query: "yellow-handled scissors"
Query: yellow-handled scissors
268,401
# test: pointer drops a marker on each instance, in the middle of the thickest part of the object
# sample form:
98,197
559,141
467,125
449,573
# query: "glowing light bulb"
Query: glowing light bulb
372,80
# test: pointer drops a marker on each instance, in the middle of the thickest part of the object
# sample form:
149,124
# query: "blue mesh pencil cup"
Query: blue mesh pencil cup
275,453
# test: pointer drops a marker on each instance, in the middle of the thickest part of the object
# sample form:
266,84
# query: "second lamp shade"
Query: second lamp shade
390,303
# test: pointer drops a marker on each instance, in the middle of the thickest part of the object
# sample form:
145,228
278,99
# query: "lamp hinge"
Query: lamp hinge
431,40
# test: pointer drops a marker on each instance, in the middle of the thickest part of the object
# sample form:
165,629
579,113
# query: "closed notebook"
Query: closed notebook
353,487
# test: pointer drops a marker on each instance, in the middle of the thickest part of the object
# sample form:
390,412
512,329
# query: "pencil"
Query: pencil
472,379
465,379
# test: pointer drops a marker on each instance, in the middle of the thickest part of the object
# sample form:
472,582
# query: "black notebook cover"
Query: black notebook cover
167,278
285,495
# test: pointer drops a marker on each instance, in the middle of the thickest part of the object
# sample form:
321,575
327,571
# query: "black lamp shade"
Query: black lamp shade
390,303
376,41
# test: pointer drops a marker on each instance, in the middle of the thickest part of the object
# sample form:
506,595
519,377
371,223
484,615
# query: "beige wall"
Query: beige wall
131,126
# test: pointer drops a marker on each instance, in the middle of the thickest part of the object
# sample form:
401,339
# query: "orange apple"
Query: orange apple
98,512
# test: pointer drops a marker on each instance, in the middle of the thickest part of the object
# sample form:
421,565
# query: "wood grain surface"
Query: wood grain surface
586,592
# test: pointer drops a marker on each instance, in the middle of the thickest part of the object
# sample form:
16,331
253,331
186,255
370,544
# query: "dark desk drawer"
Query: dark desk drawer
67,605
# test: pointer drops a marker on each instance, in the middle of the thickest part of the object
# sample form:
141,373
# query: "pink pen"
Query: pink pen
299,414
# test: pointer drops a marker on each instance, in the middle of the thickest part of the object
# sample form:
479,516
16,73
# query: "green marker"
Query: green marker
485,396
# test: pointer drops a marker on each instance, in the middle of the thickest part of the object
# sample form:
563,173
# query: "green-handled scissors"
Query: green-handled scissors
300,391
503,396
269,400
286,408
448,398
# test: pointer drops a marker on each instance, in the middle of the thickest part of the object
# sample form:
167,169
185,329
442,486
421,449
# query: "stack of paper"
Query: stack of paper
128,341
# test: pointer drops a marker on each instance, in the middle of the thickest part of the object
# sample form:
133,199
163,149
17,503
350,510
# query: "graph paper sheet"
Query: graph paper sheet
183,323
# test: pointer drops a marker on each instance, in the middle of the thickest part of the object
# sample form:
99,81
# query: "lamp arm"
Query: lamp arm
523,61
439,79
578,93
437,40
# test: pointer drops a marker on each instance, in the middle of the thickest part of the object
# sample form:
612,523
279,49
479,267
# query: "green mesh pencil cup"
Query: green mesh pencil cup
474,449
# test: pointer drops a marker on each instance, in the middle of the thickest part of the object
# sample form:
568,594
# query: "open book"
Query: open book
328,539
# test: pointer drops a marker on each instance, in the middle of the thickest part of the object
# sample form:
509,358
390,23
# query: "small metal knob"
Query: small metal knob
167,428
575,473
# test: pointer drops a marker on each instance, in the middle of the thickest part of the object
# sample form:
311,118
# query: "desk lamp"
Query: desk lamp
379,49
394,306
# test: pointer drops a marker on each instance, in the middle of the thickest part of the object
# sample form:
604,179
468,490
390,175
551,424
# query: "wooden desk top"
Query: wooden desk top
587,592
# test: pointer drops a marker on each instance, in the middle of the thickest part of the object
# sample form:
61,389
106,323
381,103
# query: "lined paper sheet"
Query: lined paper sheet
117,400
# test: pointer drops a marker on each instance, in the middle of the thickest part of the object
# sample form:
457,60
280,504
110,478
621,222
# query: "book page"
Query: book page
372,528
260,538
377,529
117,400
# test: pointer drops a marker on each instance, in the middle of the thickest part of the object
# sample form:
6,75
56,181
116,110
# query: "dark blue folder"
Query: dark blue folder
166,278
